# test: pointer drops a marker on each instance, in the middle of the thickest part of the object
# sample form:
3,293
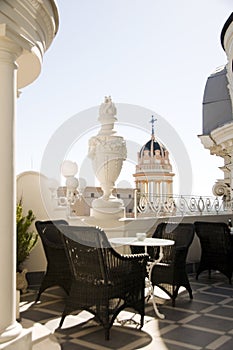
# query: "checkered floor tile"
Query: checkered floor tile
206,322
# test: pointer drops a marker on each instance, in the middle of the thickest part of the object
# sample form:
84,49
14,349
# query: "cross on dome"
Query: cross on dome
153,120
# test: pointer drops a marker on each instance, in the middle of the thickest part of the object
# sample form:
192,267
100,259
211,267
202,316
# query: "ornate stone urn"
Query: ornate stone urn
107,152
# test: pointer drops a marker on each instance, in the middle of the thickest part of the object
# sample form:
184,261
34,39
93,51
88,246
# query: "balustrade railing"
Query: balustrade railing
181,205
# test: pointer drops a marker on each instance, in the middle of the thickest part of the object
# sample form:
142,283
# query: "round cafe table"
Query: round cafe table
147,242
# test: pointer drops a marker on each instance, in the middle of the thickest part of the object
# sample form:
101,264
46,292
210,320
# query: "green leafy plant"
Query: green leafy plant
26,239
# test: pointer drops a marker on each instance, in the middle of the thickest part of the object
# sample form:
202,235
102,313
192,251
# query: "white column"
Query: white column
9,328
170,190
163,189
158,188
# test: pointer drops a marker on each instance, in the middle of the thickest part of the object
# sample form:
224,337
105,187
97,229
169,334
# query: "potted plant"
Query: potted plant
26,240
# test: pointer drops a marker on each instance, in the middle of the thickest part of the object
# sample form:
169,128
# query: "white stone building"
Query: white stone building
217,126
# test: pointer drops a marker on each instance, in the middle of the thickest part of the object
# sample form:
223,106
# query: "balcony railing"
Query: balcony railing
181,205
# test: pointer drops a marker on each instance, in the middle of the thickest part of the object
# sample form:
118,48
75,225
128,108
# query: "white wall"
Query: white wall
33,188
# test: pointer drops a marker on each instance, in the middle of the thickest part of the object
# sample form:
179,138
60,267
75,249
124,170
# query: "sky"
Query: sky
151,57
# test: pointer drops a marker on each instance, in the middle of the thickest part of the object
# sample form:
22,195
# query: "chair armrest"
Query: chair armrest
135,256
124,265
132,257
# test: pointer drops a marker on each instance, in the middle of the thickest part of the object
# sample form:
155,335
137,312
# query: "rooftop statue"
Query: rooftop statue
107,112
107,109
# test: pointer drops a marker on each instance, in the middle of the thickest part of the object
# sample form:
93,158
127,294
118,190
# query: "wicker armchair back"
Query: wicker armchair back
104,281
216,248
58,270
170,274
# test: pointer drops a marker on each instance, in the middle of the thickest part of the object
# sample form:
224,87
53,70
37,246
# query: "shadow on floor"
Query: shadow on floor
206,322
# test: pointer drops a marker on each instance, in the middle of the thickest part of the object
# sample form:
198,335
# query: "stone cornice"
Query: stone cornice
32,24
207,141
214,148
223,134
47,18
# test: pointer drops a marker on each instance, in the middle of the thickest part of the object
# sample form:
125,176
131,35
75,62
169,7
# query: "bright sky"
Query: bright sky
154,54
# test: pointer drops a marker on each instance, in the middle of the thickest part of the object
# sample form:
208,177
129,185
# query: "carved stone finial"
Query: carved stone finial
107,108
107,99
107,117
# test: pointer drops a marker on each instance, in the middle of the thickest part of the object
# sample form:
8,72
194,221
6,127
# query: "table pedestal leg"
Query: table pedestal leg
149,284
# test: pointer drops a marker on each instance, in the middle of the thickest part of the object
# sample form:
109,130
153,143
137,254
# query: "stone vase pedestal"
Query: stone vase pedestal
107,152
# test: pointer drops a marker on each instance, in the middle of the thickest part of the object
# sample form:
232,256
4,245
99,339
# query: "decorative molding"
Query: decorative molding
229,76
111,145
223,134
32,25
220,188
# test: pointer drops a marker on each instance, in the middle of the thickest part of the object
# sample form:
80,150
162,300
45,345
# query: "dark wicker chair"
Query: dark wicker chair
104,281
58,270
170,274
216,248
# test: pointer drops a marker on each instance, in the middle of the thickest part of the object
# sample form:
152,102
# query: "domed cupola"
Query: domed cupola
152,147
153,151
154,171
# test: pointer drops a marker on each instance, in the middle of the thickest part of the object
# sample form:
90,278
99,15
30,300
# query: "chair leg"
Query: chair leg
41,290
142,321
62,320
105,318
107,333
189,289
174,294
38,297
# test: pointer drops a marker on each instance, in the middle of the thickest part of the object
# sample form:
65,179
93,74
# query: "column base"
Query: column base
22,342
108,209
107,213
11,332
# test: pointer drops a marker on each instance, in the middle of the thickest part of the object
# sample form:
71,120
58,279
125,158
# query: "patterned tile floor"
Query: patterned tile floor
206,322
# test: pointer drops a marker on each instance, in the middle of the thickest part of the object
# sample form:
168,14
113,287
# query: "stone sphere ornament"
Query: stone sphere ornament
69,168
72,183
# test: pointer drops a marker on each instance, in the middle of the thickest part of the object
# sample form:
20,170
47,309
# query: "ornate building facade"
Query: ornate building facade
217,123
